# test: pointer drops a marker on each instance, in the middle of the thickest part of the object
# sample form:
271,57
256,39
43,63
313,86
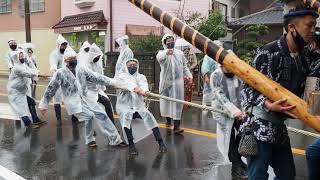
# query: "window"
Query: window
223,8
5,6
35,6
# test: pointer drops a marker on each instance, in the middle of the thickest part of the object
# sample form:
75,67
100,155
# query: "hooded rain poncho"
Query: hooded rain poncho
226,97
173,71
19,85
129,102
125,53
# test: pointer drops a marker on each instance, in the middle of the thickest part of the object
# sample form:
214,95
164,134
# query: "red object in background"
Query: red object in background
188,91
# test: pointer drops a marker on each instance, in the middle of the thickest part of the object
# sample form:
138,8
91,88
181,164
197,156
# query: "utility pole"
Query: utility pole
27,20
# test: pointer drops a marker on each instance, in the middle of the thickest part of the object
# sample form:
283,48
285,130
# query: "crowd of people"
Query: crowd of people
79,82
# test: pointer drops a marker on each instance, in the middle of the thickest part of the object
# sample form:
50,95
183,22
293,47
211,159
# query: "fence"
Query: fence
148,67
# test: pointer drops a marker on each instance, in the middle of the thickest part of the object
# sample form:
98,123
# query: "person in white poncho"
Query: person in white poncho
131,106
226,96
74,83
174,72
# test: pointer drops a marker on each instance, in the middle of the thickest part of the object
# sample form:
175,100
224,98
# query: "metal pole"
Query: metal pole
27,20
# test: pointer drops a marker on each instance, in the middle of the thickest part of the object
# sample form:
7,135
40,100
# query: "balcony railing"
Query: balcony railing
84,3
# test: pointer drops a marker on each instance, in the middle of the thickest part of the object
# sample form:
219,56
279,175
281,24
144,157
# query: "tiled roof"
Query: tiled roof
96,17
272,16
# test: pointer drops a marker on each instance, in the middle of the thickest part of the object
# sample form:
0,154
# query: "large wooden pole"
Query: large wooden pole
251,76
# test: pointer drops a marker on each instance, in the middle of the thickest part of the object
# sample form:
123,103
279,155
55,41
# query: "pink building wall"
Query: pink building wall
125,13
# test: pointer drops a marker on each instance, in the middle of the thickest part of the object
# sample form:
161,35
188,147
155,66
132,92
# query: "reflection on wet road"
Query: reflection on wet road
60,153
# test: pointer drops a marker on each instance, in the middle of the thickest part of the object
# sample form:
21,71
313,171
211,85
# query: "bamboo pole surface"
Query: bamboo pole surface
231,62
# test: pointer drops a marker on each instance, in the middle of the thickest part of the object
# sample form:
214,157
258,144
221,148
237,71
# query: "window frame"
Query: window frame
39,2
8,6
225,5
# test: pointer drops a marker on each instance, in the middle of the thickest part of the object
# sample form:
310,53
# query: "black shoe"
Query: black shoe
162,148
238,173
133,151
35,126
94,133
177,129
40,122
123,144
92,144
168,123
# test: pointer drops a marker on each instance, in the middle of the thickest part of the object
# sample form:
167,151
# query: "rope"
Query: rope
306,133
203,107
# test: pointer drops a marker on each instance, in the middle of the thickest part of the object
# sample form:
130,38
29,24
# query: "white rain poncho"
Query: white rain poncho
19,84
97,67
31,46
76,100
8,56
207,68
173,71
226,97
56,62
129,102
83,56
125,53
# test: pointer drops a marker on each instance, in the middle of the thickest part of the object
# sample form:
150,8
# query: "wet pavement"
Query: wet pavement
61,153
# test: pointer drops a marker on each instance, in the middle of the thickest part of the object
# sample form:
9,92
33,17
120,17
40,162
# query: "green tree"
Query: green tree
247,47
149,43
99,40
194,19
214,27
74,41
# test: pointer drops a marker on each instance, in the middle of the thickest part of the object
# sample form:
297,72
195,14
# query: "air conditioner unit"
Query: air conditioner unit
84,3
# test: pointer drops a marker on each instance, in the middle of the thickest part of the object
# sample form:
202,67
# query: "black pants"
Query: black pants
156,131
107,105
233,153
32,109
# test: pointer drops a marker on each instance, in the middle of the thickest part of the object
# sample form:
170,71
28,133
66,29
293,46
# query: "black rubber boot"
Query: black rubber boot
158,137
169,121
33,111
132,149
238,173
27,122
176,128
162,147
92,144
35,118
57,109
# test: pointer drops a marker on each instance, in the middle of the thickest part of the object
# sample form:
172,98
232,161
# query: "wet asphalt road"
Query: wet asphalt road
61,153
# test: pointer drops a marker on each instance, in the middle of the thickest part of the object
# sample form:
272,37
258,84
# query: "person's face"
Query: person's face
116,45
21,56
132,64
96,59
13,45
305,26
63,46
169,41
